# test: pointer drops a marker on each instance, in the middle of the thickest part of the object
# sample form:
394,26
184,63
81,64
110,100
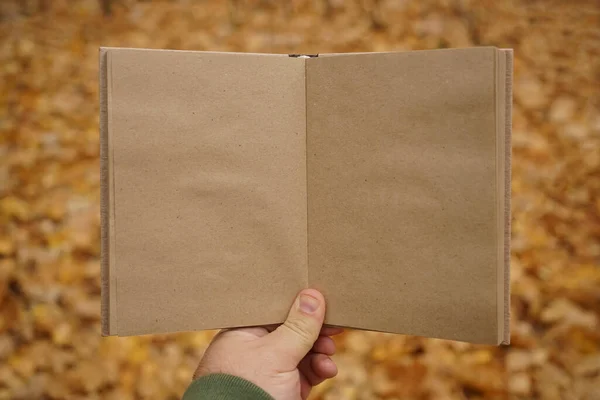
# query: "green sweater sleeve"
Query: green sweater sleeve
224,387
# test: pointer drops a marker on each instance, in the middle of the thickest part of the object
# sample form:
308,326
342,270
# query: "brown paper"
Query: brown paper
231,181
209,189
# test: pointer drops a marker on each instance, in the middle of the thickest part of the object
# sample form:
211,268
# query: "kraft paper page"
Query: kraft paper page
402,191
209,179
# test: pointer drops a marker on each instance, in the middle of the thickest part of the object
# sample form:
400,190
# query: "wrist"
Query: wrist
221,386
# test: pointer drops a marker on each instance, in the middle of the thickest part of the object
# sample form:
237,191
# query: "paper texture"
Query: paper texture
208,154
232,181
400,234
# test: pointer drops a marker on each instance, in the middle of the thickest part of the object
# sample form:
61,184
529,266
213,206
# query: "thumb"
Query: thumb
296,336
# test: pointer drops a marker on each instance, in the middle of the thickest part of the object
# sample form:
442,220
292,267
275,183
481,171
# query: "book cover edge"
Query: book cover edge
507,192
104,197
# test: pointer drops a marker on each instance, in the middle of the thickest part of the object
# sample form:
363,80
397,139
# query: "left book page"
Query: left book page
203,189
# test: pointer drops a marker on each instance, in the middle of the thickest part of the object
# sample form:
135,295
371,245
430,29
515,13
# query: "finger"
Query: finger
297,335
317,367
271,328
305,387
331,331
323,366
324,345
314,369
306,370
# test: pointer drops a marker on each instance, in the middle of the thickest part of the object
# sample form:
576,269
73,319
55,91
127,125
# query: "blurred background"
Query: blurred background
50,344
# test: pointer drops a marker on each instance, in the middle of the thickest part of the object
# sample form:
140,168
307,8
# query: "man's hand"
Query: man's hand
285,361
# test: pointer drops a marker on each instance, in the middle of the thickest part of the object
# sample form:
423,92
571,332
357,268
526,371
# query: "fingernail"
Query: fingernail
308,304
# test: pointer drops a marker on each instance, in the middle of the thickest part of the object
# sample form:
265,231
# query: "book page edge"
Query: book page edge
107,49
500,76
107,299
507,189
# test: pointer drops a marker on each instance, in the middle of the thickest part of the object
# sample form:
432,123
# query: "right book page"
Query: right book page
406,189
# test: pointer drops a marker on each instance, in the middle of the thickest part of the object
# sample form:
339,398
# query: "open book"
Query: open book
231,181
